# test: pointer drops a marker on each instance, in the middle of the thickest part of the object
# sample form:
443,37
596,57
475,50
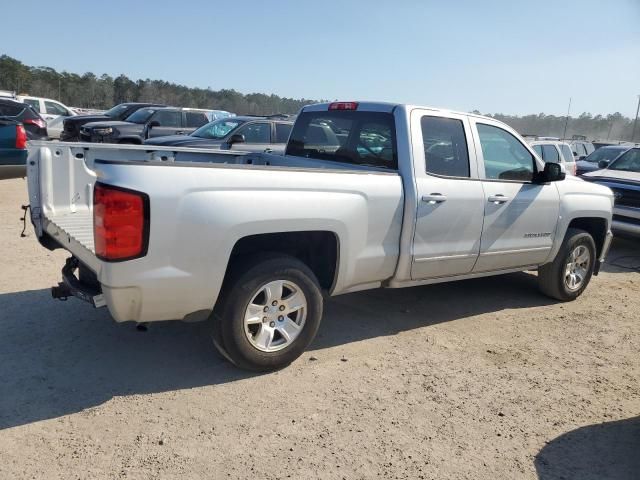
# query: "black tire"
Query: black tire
245,280
551,277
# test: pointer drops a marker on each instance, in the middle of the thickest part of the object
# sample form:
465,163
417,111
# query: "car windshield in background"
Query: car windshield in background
116,111
361,138
217,130
628,162
604,153
141,116
11,109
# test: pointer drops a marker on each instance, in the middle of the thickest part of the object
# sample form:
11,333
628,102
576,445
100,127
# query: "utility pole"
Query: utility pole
564,134
635,122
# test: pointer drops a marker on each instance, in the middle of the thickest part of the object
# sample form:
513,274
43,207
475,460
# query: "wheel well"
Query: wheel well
317,249
596,227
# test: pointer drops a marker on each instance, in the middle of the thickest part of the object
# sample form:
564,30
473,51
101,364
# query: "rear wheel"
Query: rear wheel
269,313
570,272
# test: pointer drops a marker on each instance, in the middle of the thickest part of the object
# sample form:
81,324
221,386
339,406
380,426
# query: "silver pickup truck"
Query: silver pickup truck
368,195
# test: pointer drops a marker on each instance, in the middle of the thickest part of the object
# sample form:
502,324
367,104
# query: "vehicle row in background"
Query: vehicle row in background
245,133
555,152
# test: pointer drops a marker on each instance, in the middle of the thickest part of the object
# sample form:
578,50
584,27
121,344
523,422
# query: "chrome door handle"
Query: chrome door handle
498,199
434,198
268,150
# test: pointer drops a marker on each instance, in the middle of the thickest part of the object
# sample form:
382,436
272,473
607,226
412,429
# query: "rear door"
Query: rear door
282,132
192,121
520,217
450,197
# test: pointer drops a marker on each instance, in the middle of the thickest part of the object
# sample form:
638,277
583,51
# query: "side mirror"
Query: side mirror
582,157
154,123
553,172
236,138
603,163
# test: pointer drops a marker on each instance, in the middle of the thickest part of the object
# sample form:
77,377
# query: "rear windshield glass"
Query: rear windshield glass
361,138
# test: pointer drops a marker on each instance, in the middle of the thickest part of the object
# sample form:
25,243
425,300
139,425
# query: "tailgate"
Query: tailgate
60,194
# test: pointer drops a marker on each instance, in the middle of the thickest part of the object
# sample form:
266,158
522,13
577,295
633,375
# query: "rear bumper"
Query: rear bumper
13,163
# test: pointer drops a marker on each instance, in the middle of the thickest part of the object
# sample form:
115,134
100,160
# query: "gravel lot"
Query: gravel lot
480,379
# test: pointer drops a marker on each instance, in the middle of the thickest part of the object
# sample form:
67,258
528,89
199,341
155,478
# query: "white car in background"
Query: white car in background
556,152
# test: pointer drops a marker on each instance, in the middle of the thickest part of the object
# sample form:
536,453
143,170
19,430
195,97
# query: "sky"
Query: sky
496,56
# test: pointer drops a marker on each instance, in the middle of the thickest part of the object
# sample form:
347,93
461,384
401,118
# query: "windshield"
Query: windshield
217,130
604,153
116,111
141,116
627,162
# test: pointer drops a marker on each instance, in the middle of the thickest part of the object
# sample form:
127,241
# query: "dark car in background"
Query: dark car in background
72,125
604,154
34,124
622,176
145,123
13,149
244,133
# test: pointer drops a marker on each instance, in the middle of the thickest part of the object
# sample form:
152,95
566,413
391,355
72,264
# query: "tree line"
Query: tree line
102,92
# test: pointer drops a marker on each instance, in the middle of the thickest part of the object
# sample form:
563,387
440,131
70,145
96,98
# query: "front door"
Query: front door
520,217
257,137
170,124
450,197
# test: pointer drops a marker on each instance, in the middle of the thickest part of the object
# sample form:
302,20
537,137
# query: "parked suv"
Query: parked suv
555,152
580,148
608,153
145,123
71,130
247,134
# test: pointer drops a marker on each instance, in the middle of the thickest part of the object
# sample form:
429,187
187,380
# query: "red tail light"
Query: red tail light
36,121
343,106
120,223
21,137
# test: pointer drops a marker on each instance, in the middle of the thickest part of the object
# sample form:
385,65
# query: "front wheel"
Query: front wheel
270,312
570,272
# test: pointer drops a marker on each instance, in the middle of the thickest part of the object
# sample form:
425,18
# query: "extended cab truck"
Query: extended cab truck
396,196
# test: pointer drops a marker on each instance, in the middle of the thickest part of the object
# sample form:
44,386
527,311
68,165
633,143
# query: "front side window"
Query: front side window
445,146
505,157
34,102
628,162
579,149
54,108
355,137
167,118
550,154
256,133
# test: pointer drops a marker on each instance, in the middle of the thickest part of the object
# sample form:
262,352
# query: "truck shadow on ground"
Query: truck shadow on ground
604,451
58,358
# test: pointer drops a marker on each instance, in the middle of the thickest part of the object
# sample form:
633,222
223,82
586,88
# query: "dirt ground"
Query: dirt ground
480,379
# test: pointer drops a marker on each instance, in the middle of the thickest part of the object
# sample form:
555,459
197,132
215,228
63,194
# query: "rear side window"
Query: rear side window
505,157
550,154
282,132
361,138
445,146
579,149
590,148
566,153
195,120
10,109
538,149
167,118
34,102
